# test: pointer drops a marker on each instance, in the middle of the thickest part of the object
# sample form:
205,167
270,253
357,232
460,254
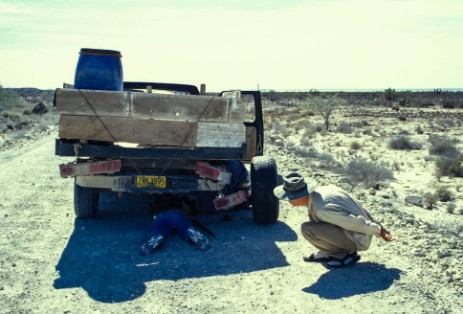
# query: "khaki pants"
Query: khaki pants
328,238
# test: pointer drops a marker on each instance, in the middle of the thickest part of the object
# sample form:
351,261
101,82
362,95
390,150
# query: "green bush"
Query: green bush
8,99
344,127
355,145
449,166
442,146
430,199
443,194
369,173
403,142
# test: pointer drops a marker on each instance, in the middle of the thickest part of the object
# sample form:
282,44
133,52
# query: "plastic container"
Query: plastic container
99,69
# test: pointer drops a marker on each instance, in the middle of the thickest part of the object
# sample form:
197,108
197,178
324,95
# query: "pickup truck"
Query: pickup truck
162,138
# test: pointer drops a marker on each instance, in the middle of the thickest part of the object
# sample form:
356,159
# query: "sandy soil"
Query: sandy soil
52,263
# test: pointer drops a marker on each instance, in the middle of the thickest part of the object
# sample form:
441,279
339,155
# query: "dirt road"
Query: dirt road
52,263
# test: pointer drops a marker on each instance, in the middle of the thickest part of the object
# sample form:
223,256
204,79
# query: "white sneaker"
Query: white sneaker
199,239
151,244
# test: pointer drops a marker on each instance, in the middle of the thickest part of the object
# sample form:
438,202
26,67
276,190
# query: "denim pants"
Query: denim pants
239,175
169,222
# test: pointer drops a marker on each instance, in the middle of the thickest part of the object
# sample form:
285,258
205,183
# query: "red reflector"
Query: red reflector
231,200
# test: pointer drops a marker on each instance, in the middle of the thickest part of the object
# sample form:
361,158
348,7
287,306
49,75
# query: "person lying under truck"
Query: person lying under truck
171,214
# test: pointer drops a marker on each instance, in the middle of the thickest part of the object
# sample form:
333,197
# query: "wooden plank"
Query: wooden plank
144,132
251,142
212,134
89,102
150,105
187,108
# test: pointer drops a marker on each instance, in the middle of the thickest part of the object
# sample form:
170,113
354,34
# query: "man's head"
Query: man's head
294,187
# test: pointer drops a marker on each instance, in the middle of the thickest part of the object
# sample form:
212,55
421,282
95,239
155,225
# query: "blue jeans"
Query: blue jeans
169,222
239,175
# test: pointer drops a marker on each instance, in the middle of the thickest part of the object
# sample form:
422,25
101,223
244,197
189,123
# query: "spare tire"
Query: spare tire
264,178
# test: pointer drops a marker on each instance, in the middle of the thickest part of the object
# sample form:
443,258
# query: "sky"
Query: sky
239,44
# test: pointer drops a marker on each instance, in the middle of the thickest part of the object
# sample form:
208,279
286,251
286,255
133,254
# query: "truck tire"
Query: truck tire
264,178
85,202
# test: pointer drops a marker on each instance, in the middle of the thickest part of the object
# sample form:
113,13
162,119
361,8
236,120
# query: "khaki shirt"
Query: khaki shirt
332,205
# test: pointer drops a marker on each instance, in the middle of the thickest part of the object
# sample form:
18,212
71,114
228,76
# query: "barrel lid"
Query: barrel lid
100,52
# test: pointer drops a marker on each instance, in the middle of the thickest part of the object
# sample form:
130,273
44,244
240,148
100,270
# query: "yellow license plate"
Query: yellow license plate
159,182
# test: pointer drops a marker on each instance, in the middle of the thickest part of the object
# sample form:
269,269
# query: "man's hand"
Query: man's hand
386,235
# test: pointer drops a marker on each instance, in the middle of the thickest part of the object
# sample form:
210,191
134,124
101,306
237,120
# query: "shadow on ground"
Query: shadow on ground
362,278
103,255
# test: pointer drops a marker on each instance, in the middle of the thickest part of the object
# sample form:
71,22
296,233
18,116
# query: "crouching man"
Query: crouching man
338,225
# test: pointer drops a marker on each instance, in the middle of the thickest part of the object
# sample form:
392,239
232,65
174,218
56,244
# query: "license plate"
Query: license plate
159,182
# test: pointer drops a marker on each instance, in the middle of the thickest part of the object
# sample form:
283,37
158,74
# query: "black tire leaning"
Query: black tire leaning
264,178
85,202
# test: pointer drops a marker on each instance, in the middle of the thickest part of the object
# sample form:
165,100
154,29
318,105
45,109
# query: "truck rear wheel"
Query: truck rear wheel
264,178
85,201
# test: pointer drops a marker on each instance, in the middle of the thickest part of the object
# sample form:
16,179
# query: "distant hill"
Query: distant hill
32,94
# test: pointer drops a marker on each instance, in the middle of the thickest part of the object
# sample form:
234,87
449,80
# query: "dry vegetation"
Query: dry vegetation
401,158
404,163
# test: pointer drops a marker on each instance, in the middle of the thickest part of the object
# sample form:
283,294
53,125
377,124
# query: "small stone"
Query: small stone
414,200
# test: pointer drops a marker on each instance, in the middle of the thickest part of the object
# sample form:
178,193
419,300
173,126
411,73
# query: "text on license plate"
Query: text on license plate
159,182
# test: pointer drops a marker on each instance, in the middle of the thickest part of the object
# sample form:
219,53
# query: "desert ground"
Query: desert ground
52,263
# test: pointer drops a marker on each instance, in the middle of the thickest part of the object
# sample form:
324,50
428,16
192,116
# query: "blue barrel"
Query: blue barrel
99,69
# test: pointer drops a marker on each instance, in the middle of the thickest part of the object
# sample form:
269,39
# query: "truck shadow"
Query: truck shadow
103,255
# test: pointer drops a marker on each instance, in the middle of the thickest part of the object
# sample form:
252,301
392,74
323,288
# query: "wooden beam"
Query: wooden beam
186,108
153,132
144,132
212,134
149,105
89,102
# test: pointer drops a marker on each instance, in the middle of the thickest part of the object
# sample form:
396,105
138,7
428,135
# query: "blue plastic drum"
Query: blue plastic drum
99,69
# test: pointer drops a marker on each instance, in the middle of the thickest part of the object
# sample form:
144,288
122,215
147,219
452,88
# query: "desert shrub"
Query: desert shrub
404,132
451,208
304,151
368,172
299,124
327,161
449,166
301,151
367,132
359,124
390,95
316,128
305,141
442,146
443,194
355,145
325,106
403,142
344,127
448,122
430,199
281,128
419,129
8,99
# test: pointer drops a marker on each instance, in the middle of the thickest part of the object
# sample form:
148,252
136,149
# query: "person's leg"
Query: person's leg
179,222
159,231
160,225
239,174
329,239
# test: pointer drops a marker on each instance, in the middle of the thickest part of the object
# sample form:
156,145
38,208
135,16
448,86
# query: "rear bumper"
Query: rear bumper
150,184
